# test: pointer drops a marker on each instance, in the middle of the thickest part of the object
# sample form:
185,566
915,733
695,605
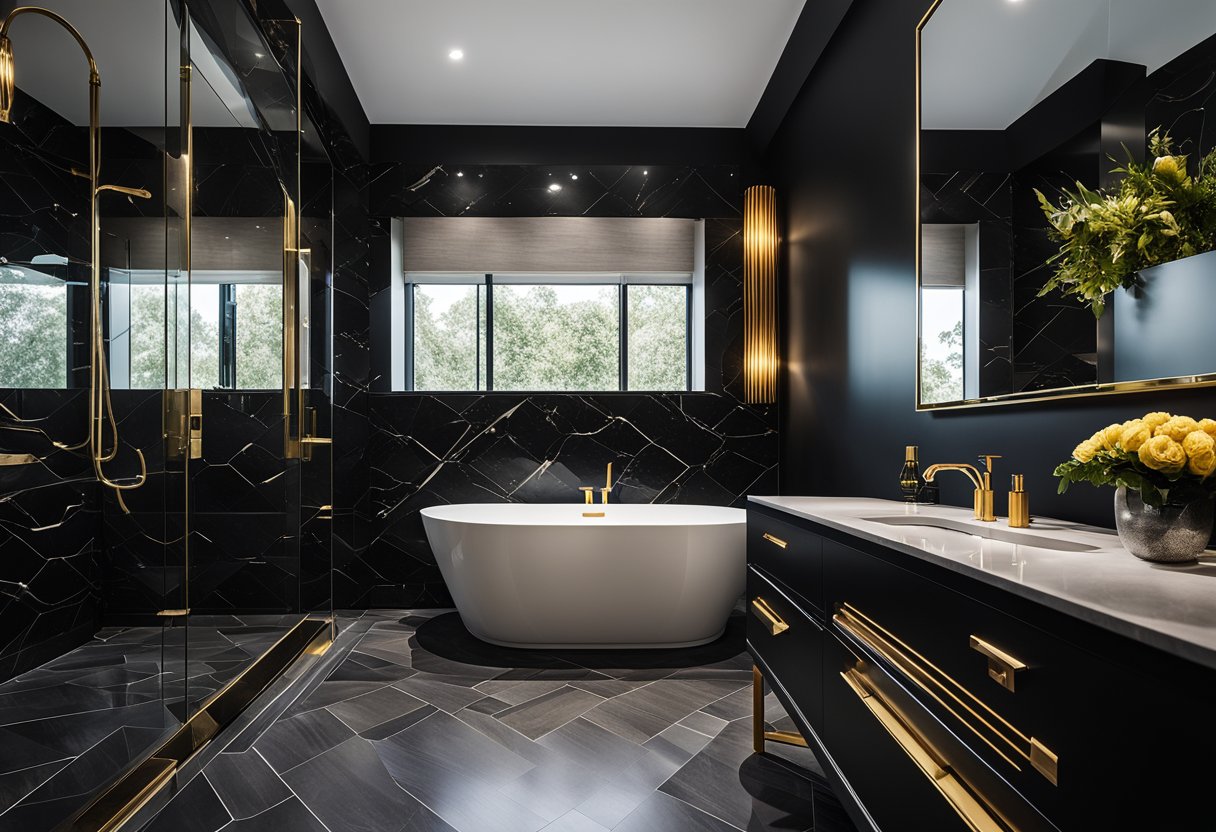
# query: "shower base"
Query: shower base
69,727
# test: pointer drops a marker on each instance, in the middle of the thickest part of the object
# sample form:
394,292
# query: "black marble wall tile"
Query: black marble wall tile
425,449
1182,93
50,587
1054,338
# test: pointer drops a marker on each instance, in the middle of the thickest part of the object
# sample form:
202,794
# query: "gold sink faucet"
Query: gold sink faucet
983,509
588,490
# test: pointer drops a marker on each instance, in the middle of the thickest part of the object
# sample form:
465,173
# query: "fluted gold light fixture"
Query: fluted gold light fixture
760,294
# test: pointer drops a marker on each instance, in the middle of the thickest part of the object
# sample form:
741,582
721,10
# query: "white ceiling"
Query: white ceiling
628,63
986,62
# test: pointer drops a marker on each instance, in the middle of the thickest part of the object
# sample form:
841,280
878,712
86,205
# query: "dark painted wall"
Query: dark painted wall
844,165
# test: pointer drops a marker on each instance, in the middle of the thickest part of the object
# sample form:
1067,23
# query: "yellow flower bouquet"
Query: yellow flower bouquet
1167,458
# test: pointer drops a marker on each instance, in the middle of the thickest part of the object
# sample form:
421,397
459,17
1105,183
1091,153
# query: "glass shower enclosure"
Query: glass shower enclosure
165,467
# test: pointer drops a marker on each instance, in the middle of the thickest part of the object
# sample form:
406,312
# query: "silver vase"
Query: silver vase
1169,534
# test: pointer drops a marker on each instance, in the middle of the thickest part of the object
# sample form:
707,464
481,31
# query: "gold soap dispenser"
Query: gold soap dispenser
1019,503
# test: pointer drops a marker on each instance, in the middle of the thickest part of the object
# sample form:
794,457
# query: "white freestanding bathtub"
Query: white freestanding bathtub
579,576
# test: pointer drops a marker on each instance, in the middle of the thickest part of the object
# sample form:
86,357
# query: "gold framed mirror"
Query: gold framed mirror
1020,99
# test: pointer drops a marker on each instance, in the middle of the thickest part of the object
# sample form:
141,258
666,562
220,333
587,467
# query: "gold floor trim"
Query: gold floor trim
132,790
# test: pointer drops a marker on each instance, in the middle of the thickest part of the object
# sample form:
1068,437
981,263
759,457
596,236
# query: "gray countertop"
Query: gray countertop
1170,607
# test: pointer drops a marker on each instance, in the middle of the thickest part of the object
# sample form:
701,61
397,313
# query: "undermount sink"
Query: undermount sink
988,530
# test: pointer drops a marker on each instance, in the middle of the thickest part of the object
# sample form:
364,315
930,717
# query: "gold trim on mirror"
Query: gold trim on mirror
1076,391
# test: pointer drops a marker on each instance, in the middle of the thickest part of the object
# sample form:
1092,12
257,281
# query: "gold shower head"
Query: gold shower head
8,83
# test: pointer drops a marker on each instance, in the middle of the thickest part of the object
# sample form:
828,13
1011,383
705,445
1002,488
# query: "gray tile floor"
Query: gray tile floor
71,726
419,726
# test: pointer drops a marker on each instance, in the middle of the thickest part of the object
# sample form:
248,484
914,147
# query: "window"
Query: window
583,333
33,328
228,326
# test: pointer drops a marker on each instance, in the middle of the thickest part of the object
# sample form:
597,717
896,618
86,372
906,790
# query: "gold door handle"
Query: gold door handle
17,459
776,541
1001,666
931,763
774,623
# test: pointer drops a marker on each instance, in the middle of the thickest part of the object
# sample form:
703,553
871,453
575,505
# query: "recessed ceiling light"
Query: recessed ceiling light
555,187
460,173
574,176
258,55
456,54
645,173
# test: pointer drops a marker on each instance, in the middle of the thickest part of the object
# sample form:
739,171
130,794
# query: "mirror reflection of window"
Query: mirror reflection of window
948,272
941,345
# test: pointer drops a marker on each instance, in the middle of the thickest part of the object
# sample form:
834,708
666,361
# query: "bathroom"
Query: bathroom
645,416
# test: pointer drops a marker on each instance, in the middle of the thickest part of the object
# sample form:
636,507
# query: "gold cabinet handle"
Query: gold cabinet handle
994,730
774,623
931,764
1001,666
776,541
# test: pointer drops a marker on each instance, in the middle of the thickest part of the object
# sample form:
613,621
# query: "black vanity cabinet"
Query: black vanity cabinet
937,701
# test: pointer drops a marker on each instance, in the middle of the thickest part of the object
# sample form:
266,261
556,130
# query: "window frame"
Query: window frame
489,280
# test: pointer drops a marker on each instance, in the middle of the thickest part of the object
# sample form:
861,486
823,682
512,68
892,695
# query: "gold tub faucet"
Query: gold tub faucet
588,491
984,508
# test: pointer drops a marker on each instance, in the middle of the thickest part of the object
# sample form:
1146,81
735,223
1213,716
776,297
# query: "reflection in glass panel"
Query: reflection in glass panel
147,336
557,337
259,336
204,335
33,330
449,337
658,337
941,347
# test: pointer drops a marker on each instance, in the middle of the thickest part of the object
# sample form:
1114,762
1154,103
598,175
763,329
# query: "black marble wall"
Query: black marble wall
423,449
50,586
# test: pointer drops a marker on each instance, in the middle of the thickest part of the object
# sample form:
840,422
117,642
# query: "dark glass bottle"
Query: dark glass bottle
910,482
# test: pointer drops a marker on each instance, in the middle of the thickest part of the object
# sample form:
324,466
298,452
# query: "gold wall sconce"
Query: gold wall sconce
760,358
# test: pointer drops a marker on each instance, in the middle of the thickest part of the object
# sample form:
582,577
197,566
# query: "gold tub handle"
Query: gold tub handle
774,623
974,813
776,541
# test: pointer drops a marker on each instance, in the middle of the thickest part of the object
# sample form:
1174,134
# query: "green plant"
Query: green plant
1158,213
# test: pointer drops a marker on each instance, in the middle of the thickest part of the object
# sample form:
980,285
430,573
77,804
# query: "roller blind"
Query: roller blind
547,244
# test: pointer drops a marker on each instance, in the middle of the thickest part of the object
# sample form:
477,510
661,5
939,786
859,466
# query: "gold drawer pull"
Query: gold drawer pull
773,622
776,541
974,813
1001,665
994,730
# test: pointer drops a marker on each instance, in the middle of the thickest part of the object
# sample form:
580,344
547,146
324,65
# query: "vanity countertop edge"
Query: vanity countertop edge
1089,586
